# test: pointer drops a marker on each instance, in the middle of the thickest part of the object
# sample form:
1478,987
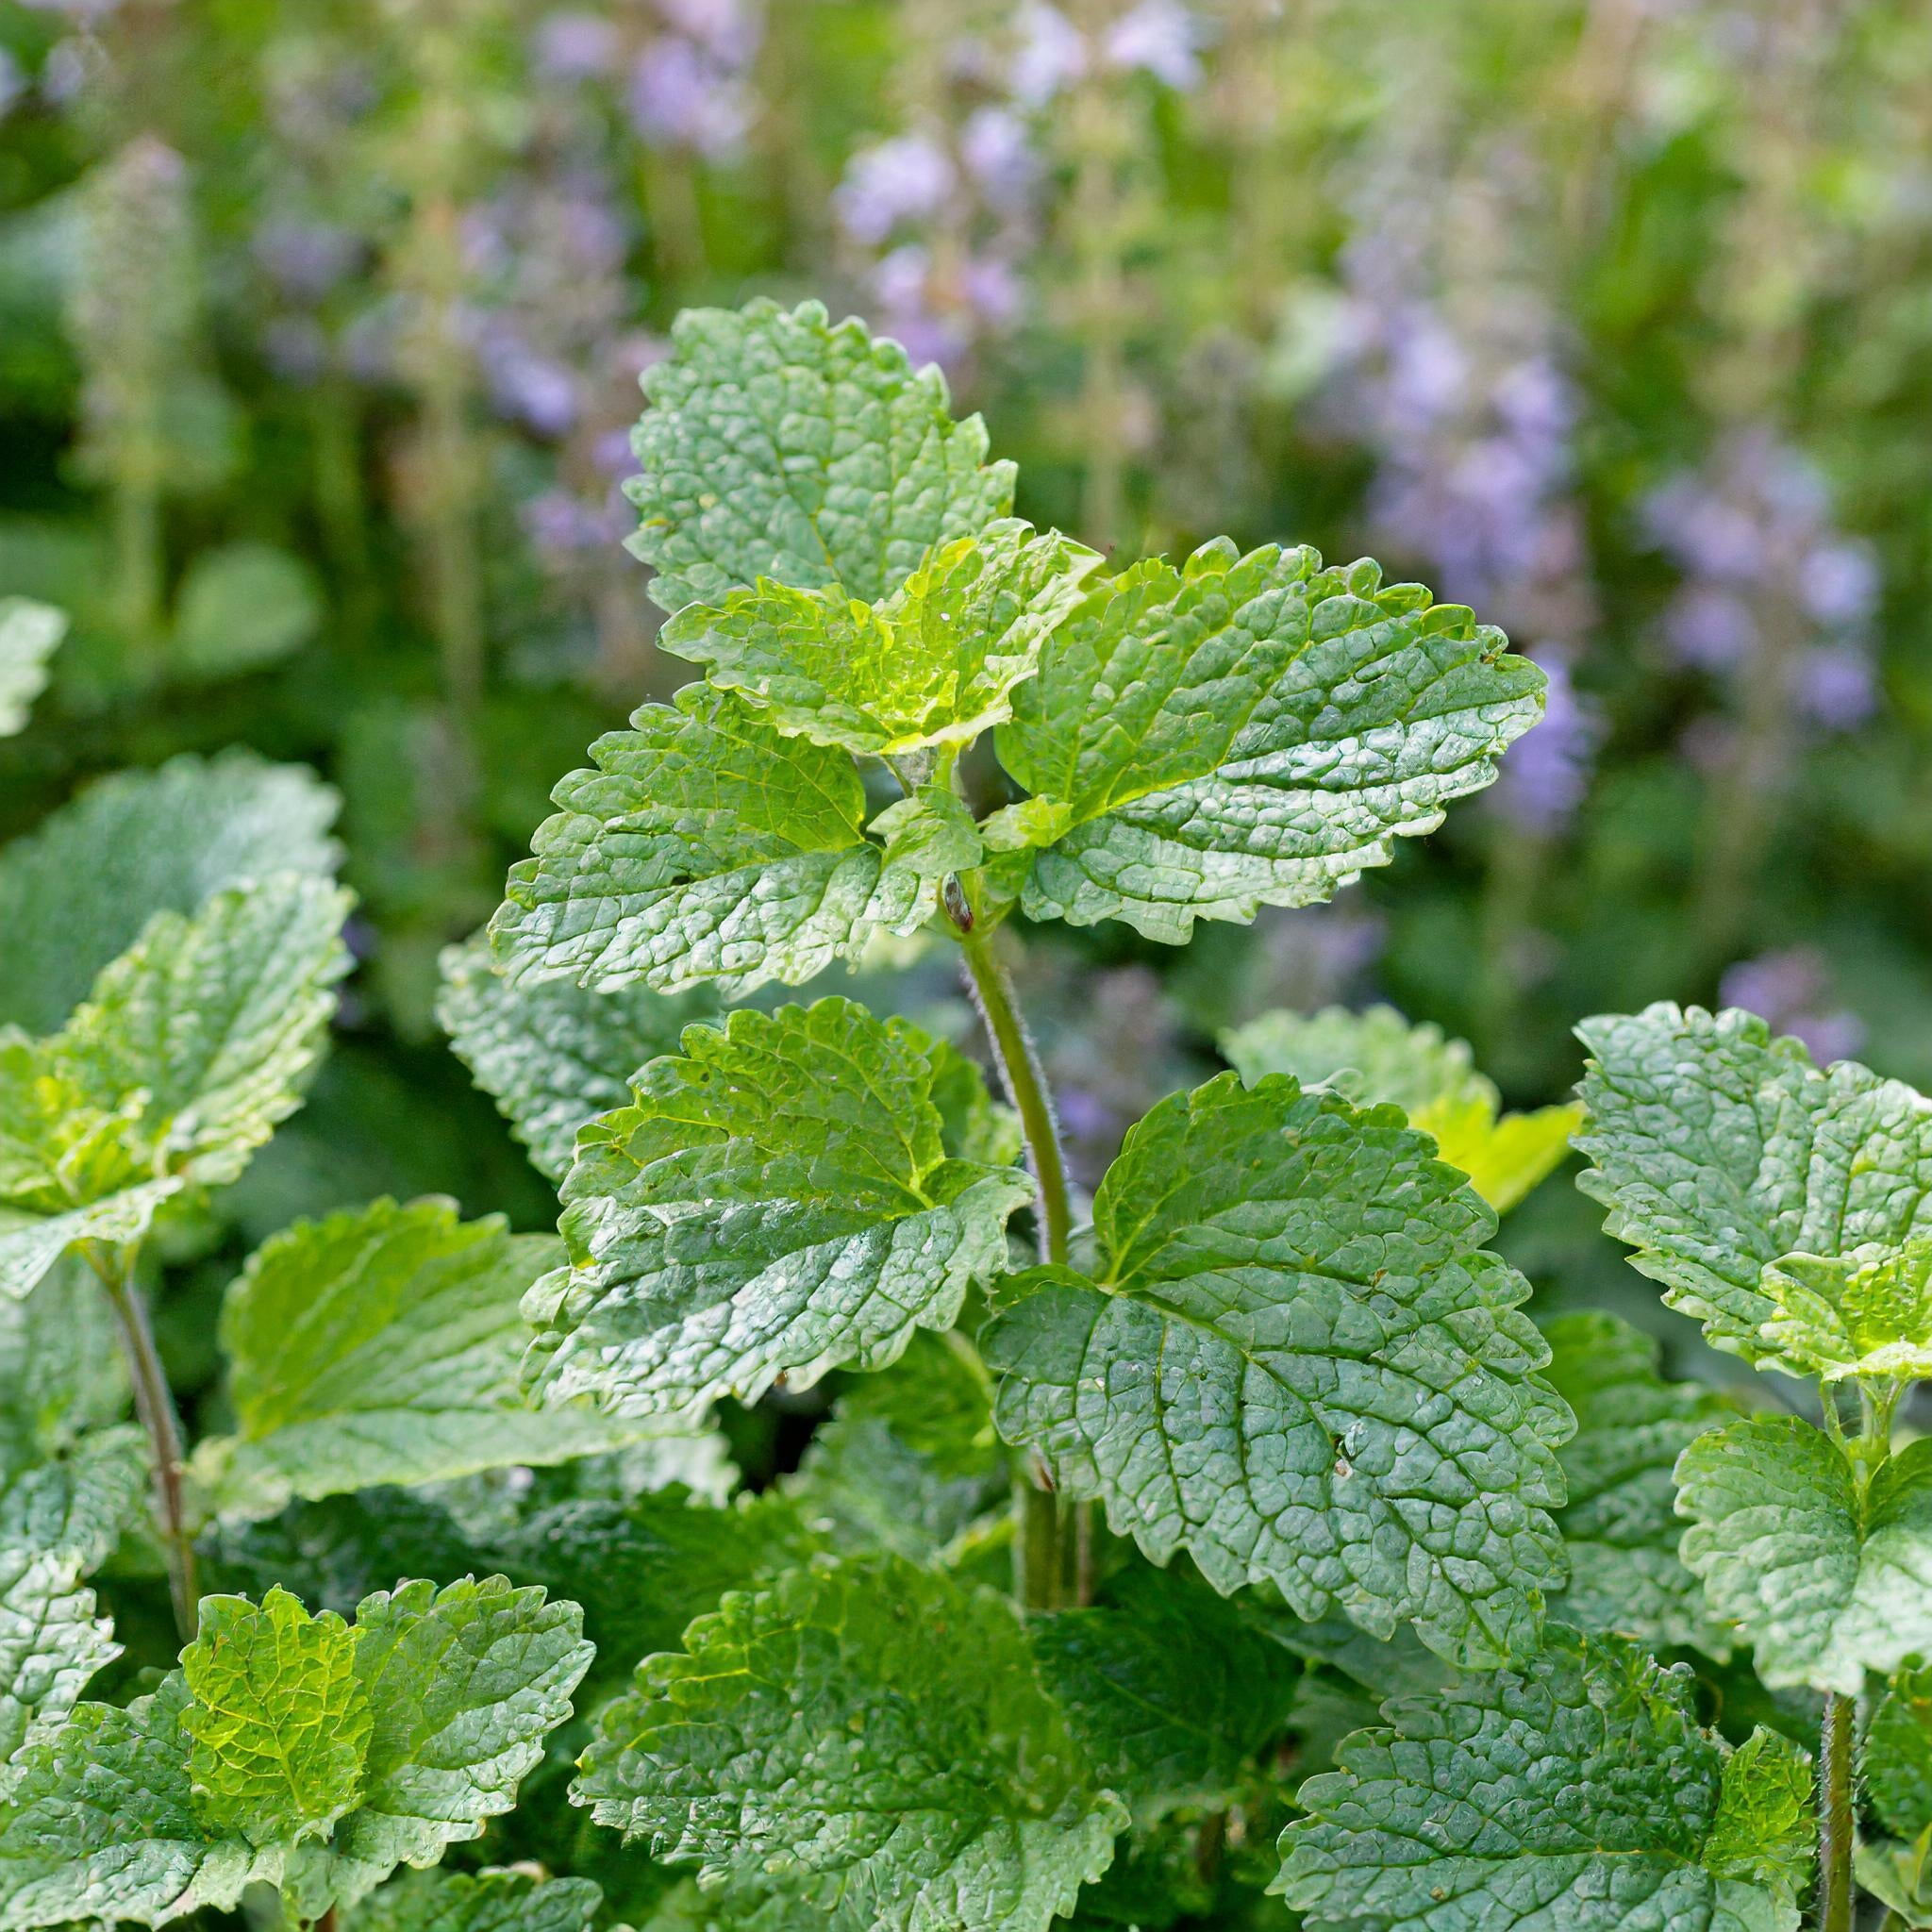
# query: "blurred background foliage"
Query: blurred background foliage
320,330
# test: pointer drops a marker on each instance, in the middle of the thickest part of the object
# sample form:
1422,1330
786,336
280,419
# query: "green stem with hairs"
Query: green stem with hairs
153,1406
1837,1900
1053,1550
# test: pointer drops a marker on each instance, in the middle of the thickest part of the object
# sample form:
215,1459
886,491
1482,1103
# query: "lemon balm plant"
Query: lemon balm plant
1229,1547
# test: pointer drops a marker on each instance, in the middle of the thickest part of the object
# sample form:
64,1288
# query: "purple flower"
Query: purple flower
574,45
1547,772
296,348
1709,628
905,179
1158,37
724,28
563,527
305,259
1838,687
1050,56
1839,582
680,97
63,73
1791,991
999,155
526,387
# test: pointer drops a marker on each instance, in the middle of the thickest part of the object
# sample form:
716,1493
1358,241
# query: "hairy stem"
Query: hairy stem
1025,1081
1050,1568
153,1406
1837,1901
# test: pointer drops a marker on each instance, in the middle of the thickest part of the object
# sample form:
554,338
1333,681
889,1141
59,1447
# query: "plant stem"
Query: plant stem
1050,1570
1837,1901
154,1407
1025,1081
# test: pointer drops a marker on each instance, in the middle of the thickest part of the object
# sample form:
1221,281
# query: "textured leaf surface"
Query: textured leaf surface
908,1459
29,634
1250,731
550,1053
1167,1688
279,1720
1577,1792
465,1683
1866,1313
933,663
483,1902
703,846
1620,1526
1896,1765
1298,1363
1718,1149
777,1202
76,1502
62,1377
76,893
779,446
191,1048
1766,1829
50,1642
1378,1056
383,1345
876,1728
1824,1584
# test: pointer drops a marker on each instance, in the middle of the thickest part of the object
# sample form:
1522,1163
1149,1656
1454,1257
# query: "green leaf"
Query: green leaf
704,846
777,1202
465,1684
50,1642
1896,1766
1577,1791
1718,1149
928,833
1899,1875
1766,1829
1866,1313
100,1821
76,893
777,446
1619,1526
935,664
1825,1584
29,634
1252,731
63,1378
1296,1362
193,1046
279,1720
908,1460
876,1729
1378,1056
77,1502
242,607
484,1902
1167,1688
550,1053
383,1345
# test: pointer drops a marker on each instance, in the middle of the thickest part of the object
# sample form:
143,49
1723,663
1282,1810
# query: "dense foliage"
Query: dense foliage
1005,1387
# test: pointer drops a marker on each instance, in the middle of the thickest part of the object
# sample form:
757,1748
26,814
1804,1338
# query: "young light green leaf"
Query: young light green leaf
1167,1688
550,1053
508,1901
382,1346
1378,1056
191,1048
935,664
928,833
1252,731
465,1683
1718,1150
99,1820
1823,1583
1577,1791
1620,1525
908,1460
1766,1828
874,1728
279,1720
704,846
777,1202
1297,1362
76,893
1866,1313
29,634
779,446
50,1642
